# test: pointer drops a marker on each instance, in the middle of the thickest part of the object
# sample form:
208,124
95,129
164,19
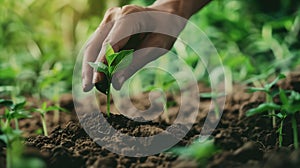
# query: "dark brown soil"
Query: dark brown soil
245,142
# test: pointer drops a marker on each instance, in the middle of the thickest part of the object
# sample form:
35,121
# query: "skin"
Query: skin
112,27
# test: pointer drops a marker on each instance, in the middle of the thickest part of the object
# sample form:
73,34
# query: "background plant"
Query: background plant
43,110
269,93
290,106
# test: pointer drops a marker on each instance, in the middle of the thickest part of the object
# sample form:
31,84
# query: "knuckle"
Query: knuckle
110,14
128,9
112,10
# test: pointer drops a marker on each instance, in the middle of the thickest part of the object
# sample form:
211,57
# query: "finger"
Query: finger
93,48
118,37
154,46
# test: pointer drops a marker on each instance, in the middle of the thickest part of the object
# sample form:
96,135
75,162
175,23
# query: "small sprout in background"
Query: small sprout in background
115,62
12,137
267,89
13,112
290,105
200,150
214,97
43,110
165,87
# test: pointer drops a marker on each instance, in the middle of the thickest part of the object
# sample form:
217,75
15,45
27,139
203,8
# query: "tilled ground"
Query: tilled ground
245,142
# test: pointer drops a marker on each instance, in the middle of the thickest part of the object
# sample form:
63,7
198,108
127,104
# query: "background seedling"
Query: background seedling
267,89
13,112
290,105
43,110
115,63
214,96
12,137
198,150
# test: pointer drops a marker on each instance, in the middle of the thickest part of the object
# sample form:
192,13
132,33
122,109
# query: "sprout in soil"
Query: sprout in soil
201,151
11,137
115,62
214,97
290,105
267,88
165,86
43,110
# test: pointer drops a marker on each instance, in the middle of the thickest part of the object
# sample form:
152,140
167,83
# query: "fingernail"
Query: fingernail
87,87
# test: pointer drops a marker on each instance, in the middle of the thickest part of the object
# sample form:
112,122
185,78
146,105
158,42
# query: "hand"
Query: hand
122,29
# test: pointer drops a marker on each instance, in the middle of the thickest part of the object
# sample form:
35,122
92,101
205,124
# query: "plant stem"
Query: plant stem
16,124
295,131
217,110
280,134
108,100
56,114
271,112
8,154
44,125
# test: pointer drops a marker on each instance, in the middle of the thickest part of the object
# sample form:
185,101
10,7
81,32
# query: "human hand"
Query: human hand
124,28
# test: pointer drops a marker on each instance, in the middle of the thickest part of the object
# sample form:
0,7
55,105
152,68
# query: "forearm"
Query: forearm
184,8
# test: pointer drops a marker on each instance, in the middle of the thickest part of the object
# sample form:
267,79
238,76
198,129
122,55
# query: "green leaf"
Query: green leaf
19,106
279,77
283,97
212,95
262,108
4,138
125,62
20,114
52,108
121,55
253,89
99,67
197,150
111,58
6,103
109,51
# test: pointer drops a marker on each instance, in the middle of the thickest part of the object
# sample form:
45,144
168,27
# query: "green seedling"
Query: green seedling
165,87
13,112
201,151
214,97
267,89
43,110
115,62
11,137
289,106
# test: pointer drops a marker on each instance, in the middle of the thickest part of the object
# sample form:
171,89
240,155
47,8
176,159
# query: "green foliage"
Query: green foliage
290,105
13,111
269,105
43,110
214,96
115,62
201,151
12,137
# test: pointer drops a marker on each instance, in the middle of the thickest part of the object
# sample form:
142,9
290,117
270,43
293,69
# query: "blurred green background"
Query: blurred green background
40,40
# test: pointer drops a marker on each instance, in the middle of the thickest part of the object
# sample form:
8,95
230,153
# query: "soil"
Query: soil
244,141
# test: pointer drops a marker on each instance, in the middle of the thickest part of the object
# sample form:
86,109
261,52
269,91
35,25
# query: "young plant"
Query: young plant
289,106
214,97
43,110
165,86
115,62
201,151
267,89
13,111
11,137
